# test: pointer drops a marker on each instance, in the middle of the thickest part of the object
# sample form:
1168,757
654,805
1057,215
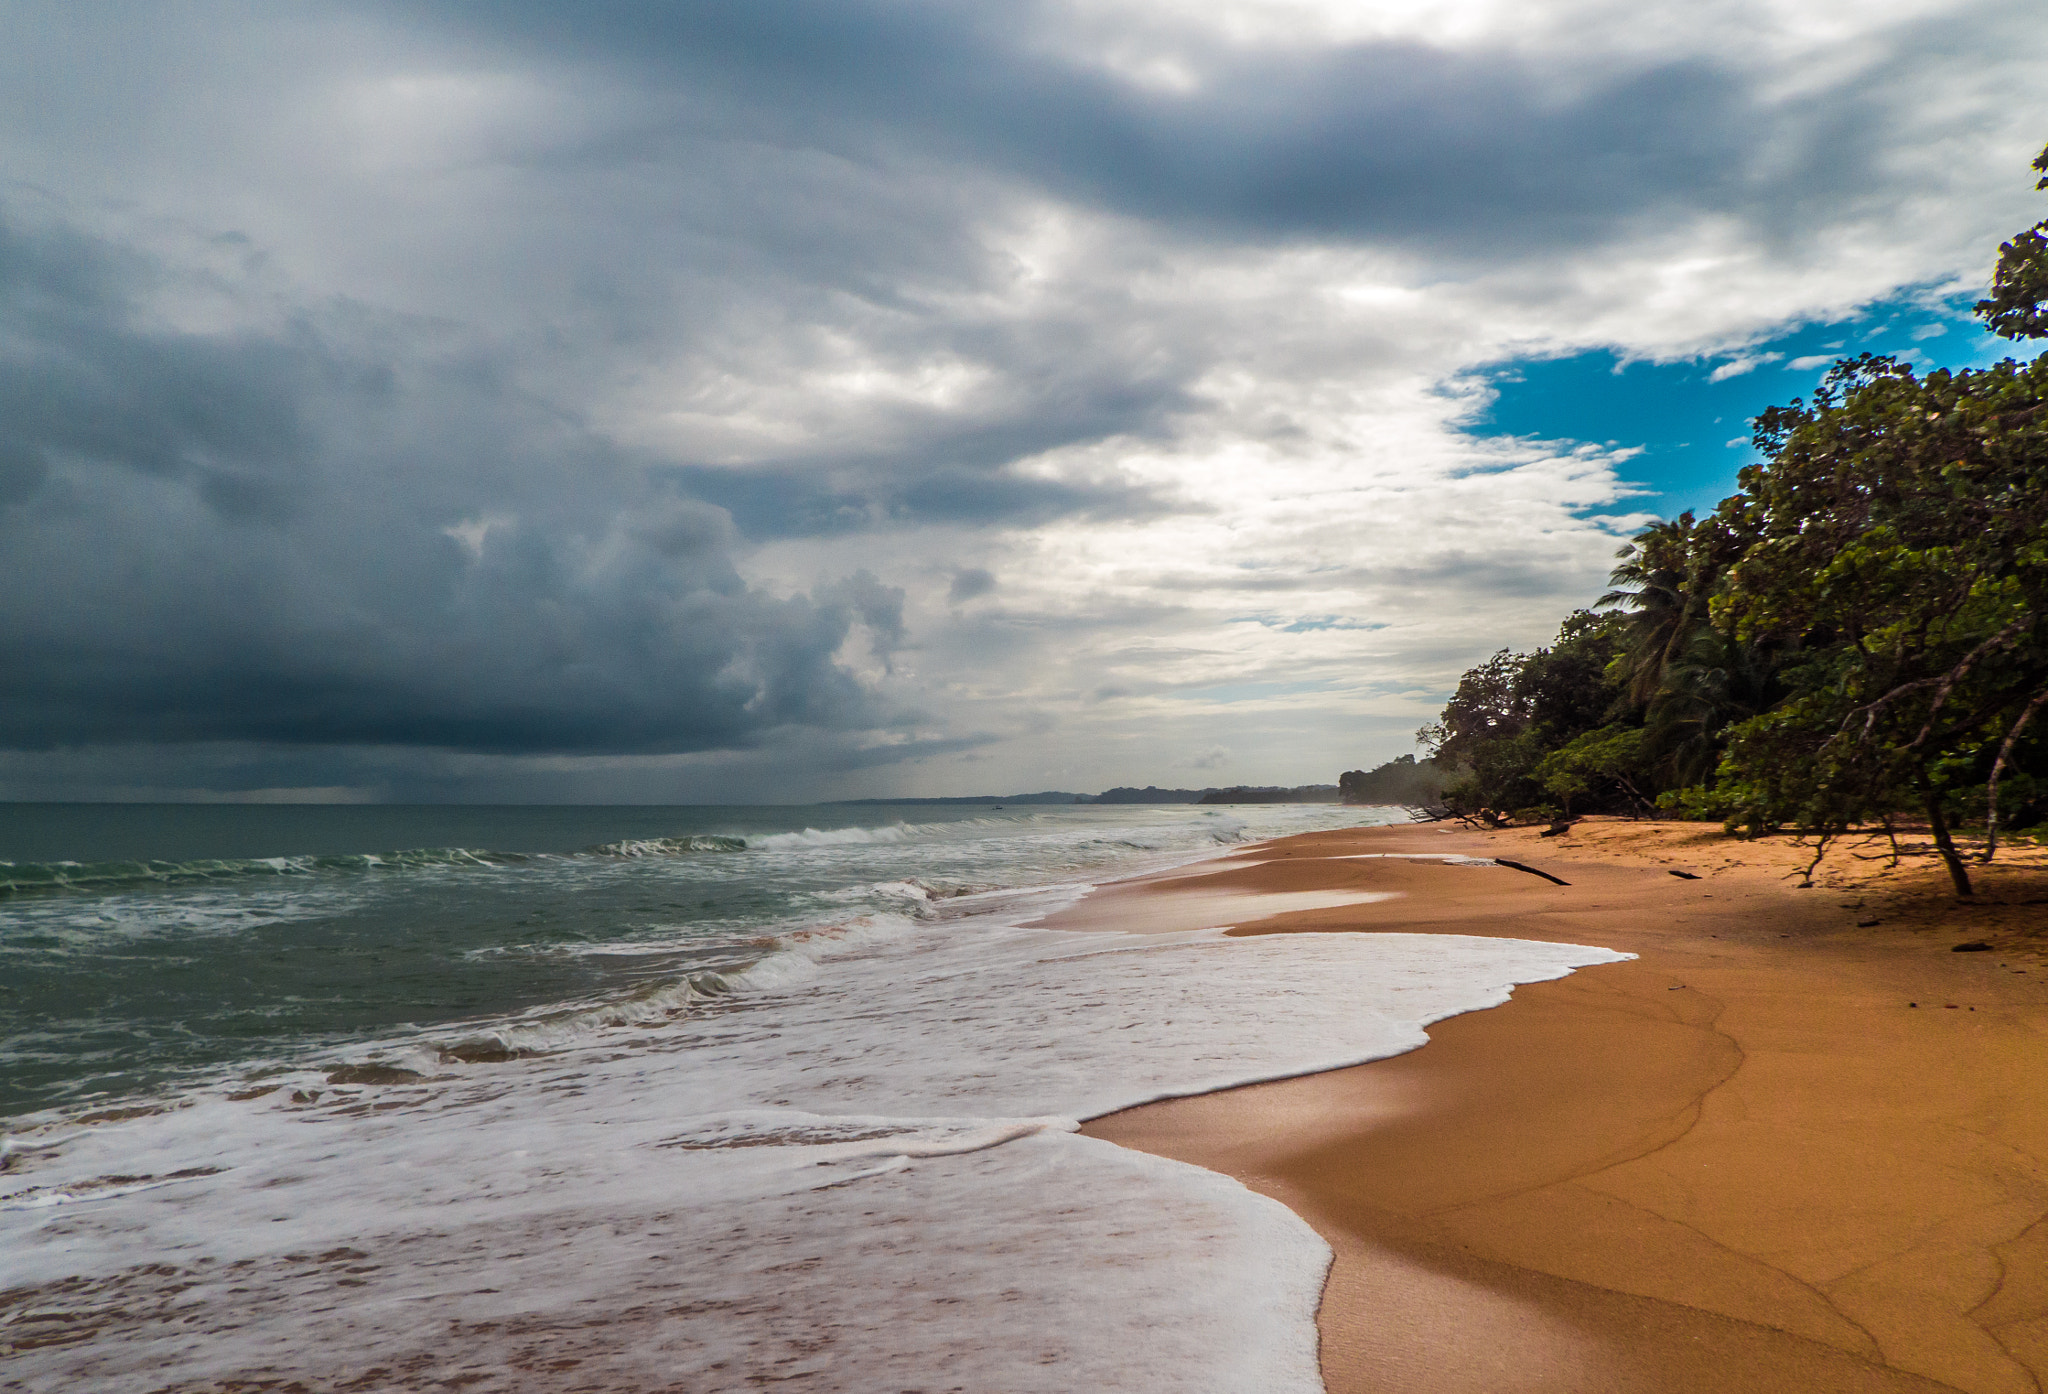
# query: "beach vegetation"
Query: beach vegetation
1855,635
1405,780
1511,720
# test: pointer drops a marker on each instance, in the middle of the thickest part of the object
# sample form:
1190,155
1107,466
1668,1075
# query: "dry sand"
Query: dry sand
1743,1162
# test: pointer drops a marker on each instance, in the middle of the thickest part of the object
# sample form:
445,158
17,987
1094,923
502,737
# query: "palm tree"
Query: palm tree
1664,578
1713,683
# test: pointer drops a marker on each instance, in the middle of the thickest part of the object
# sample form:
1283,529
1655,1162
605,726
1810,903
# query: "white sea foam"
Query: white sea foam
54,926
909,889
670,846
832,837
859,1169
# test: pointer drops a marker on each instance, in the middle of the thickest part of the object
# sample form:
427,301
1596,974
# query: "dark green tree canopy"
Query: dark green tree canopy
1898,540
1512,710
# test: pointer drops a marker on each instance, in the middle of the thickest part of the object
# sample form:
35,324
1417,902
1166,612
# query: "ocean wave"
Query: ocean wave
799,954
835,837
638,915
669,846
907,888
17,877
791,960
20,877
558,1029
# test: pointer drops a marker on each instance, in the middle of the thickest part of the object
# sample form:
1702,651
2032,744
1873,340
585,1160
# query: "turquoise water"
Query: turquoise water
142,946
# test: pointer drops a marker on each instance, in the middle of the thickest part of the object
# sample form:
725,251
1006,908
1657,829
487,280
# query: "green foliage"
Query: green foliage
1402,781
1697,803
2018,307
1599,767
1664,579
1899,537
1512,711
1716,682
1856,633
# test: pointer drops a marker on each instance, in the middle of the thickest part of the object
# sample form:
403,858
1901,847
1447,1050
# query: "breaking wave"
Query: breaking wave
669,846
835,837
16,877
791,960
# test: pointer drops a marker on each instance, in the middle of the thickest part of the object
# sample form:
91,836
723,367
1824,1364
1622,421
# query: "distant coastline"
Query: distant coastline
1240,793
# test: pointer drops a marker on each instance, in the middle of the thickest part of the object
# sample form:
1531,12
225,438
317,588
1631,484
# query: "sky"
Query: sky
703,403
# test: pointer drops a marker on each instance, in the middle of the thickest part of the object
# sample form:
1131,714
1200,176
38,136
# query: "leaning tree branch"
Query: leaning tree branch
2004,638
1944,685
1998,768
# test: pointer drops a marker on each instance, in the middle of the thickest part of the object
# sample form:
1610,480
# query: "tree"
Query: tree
1716,682
1484,709
1901,534
1399,781
1662,582
1511,711
1605,762
2018,307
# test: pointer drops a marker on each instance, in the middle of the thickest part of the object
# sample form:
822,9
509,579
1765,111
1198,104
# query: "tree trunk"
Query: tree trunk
1957,872
1998,768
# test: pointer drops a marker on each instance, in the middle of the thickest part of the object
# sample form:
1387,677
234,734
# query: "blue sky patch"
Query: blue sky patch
1692,418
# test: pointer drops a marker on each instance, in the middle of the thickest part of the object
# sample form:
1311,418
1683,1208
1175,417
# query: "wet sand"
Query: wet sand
1743,1162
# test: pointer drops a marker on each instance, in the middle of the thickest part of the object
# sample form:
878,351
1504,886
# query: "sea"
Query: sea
699,1098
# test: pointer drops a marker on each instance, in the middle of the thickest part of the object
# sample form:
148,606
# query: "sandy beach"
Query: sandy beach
1799,1143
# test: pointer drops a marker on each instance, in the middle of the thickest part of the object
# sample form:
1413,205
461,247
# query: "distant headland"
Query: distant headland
1403,781
1304,793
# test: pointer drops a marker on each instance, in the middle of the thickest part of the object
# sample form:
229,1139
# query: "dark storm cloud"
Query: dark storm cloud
1484,149
780,500
305,535
789,770
77,382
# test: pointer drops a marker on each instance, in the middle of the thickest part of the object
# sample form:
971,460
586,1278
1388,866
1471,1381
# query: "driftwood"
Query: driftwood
1558,880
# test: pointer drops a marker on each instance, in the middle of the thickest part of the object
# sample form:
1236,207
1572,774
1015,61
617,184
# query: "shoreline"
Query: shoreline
1740,1162
645,1208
